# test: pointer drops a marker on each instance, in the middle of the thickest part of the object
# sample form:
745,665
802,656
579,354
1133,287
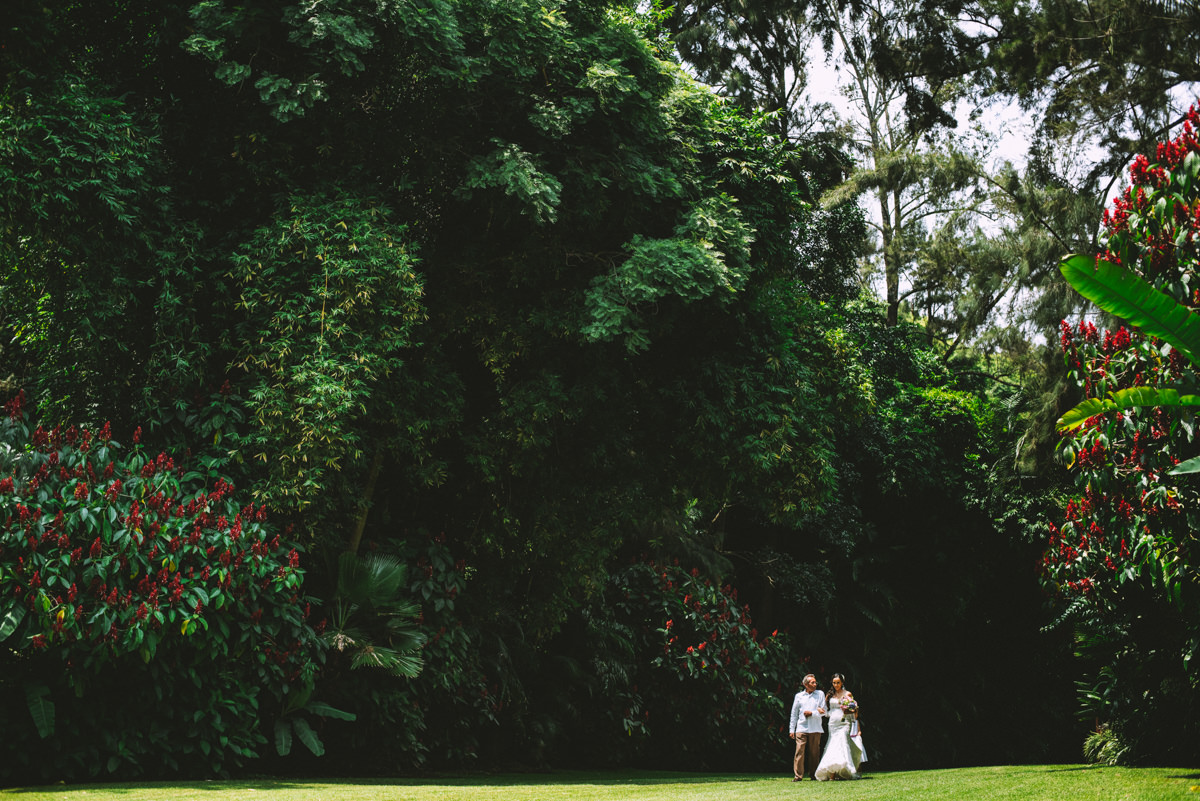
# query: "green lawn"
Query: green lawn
1040,782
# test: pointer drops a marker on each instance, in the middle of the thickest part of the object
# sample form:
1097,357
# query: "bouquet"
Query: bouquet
849,706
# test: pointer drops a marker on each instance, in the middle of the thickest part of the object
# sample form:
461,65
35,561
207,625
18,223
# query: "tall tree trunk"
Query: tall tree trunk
891,270
364,507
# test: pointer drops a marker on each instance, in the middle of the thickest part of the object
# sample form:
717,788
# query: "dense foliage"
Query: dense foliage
493,293
150,622
705,689
1124,557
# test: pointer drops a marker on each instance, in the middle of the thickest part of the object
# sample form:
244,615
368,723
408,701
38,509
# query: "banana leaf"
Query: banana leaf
283,737
1122,292
41,708
308,736
1123,399
325,710
11,620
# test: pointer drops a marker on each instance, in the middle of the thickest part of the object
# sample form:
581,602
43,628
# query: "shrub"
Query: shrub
1102,748
147,620
698,686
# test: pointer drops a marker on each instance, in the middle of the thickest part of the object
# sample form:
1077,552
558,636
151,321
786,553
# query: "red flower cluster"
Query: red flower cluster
1174,152
101,574
15,407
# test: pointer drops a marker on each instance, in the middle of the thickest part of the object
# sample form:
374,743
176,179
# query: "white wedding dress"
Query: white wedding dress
843,753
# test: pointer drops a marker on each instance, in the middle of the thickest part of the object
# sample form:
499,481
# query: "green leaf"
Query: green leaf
405,665
11,620
325,710
375,579
283,737
1122,292
1130,398
1191,164
308,736
1183,468
41,708
299,699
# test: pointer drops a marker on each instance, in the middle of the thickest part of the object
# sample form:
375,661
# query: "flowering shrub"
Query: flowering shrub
1124,555
1128,522
147,619
705,689
1153,225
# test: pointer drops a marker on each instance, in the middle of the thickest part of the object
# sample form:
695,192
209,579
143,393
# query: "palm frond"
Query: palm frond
374,579
405,665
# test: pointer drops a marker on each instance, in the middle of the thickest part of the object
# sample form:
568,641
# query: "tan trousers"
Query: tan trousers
808,752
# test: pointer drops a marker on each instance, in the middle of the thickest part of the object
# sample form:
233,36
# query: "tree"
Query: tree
903,177
1117,80
1097,82
756,53
932,198
758,56
1106,72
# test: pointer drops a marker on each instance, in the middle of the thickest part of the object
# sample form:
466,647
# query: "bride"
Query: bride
844,751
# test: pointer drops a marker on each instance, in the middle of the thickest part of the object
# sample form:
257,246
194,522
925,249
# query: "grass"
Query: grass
1006,783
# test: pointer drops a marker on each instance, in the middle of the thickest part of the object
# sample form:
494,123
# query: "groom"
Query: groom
807,710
